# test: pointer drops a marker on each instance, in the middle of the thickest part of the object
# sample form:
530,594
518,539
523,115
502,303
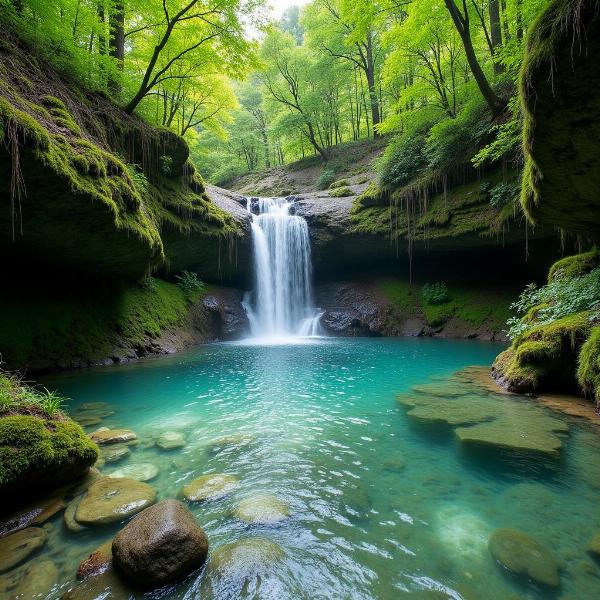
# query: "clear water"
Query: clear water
281,305
329,438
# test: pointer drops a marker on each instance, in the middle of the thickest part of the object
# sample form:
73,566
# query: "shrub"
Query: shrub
560,298
326,178
402,160
435,293
503,194
339,183
189,283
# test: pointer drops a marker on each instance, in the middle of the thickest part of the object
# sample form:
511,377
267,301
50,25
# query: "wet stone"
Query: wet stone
210,487
69,516
263,510
97,562
109,500
235,441
521,554
113,454
594,545
17,547
139,472
41,577
112,436
171,440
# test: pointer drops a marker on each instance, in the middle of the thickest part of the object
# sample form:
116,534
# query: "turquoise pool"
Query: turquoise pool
380,506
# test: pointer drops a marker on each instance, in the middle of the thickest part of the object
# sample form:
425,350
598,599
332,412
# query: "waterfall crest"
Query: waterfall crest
281,305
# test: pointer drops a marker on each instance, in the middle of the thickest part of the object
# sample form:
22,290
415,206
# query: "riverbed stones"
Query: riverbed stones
69,516
94,406
262,510
594,545
35,514
210,487
240,566
97,562
105,585
16,547
112,436
138,471
109,500
160,545
40,578
521,554
171,440
235,441
114,453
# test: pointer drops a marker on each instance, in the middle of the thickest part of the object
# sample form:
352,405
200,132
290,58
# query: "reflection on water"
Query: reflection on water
381,504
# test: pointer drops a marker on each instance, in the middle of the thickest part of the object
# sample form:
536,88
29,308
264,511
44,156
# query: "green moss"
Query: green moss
476,306
339,184
29,445
77,325
575,266
461,210
588,368
341,192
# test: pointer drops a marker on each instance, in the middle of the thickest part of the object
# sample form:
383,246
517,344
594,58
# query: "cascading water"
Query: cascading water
281,304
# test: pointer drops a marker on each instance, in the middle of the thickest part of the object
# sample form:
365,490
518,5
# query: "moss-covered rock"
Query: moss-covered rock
42,452
559,82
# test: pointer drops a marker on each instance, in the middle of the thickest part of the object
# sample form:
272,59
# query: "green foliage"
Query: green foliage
575,266
339,183
18,396
189,283
588,368
403,160
562,296
435,293
326,178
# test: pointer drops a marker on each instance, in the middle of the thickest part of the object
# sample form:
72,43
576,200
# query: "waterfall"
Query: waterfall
281,305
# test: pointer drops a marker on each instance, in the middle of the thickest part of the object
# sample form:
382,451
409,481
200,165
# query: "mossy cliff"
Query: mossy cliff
557,341
93,201
559,91
558,350
39,445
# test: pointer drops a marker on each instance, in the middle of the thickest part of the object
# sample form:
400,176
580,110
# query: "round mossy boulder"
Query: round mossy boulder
41,453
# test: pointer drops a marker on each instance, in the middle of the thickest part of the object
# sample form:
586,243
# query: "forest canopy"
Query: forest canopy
433,77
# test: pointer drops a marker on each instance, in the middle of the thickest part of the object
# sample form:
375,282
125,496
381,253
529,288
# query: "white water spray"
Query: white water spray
281,304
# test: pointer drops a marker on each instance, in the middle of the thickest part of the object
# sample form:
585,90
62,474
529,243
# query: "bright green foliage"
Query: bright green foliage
562,296
555,334
326,178
190,284
17,396
588,369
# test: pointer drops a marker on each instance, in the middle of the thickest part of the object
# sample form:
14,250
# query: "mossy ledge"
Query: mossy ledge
561,355
86,187
40,447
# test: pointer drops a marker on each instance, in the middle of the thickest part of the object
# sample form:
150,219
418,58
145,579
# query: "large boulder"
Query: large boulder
160,545
37,452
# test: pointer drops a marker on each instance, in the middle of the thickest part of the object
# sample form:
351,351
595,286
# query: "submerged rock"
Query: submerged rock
97,562
522,555
160,545
109,500
107,585
112,436
210,487
139,472
594,545
236,568
230,442
171,440
35,514
263,510
33,580
112,454
17,547
94,406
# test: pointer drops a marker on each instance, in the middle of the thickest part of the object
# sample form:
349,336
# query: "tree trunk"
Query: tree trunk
495,33
461,22
117,42
372,85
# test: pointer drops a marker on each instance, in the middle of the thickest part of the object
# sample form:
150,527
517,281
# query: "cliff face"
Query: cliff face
556,345
559,88
92,202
